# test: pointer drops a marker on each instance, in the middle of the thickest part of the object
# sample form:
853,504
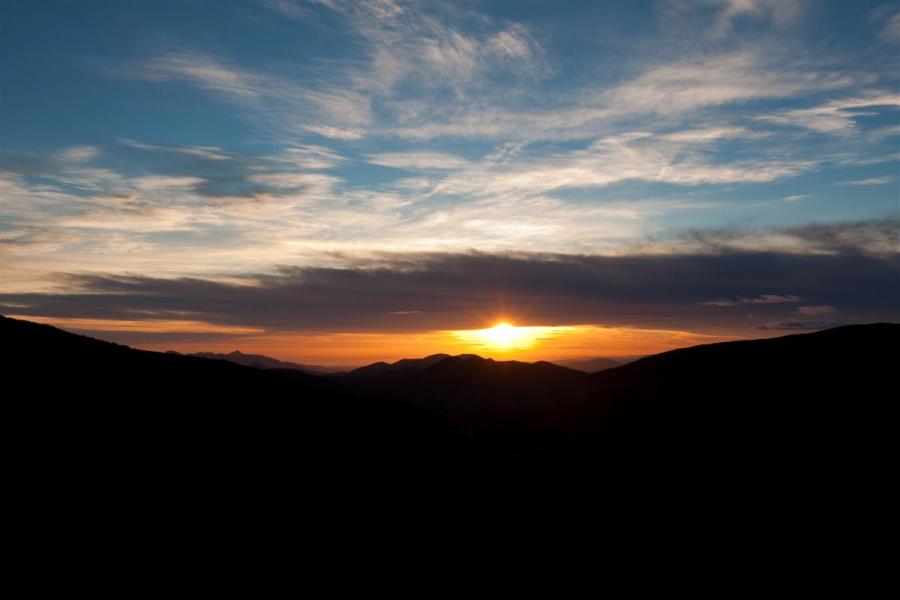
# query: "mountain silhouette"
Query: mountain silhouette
260,361
406,364
108,405
788,407
590,365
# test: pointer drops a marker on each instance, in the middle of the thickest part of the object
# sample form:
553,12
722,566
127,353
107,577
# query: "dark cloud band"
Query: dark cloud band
447,291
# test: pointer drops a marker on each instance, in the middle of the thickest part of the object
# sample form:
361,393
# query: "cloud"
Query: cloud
422,160
287,8
409,51
872,181
307,156
422,71
333,132
811,311
280,99
191,214
514,42
162,182
207,152
675,88
630,156
792,325
890,32
761,299
710,134
410,45
710,80
79,154
876,237
459,291
779,12
204,71
312,181
835,116
591,159
882,133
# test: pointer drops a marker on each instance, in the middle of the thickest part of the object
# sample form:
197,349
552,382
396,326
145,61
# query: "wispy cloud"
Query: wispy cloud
201,70
877,237
418,160
803,325
268,94
329,131
79,154
811,311
836,116
697,82
319,182
307,156
287,8
413,56
890,31
872,181
406,46
635,156
207,152
761,299
675,88
407,43
163,182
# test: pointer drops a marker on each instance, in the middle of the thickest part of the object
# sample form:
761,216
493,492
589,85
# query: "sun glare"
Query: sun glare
504,336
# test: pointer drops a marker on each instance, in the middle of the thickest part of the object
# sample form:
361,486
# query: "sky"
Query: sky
345,181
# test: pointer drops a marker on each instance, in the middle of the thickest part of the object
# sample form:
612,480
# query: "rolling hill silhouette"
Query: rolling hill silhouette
405,365
110,405
798,404
590,365
261,361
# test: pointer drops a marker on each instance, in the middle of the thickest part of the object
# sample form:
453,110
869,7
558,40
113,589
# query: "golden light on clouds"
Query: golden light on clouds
141,326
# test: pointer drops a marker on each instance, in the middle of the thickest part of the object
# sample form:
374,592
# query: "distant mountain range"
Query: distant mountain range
261,361
784,407
590,365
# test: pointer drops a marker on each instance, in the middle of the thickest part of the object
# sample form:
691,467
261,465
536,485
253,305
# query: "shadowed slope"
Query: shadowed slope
119,404
808,402
400,368
260,361
770,403
590,365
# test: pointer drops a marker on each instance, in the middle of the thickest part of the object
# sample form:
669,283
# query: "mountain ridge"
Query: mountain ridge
261,361
760,404
590,365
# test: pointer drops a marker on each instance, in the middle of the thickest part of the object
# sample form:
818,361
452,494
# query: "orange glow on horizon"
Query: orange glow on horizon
502,341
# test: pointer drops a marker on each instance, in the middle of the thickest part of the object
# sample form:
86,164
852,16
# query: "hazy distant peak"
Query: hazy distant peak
590,365
260,361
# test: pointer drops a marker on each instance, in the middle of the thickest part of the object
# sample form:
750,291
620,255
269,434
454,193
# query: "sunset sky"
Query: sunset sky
339,182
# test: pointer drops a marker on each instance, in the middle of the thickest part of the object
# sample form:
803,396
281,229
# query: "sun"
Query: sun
503,336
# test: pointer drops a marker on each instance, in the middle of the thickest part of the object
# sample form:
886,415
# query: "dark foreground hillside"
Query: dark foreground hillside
777,408
108,405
